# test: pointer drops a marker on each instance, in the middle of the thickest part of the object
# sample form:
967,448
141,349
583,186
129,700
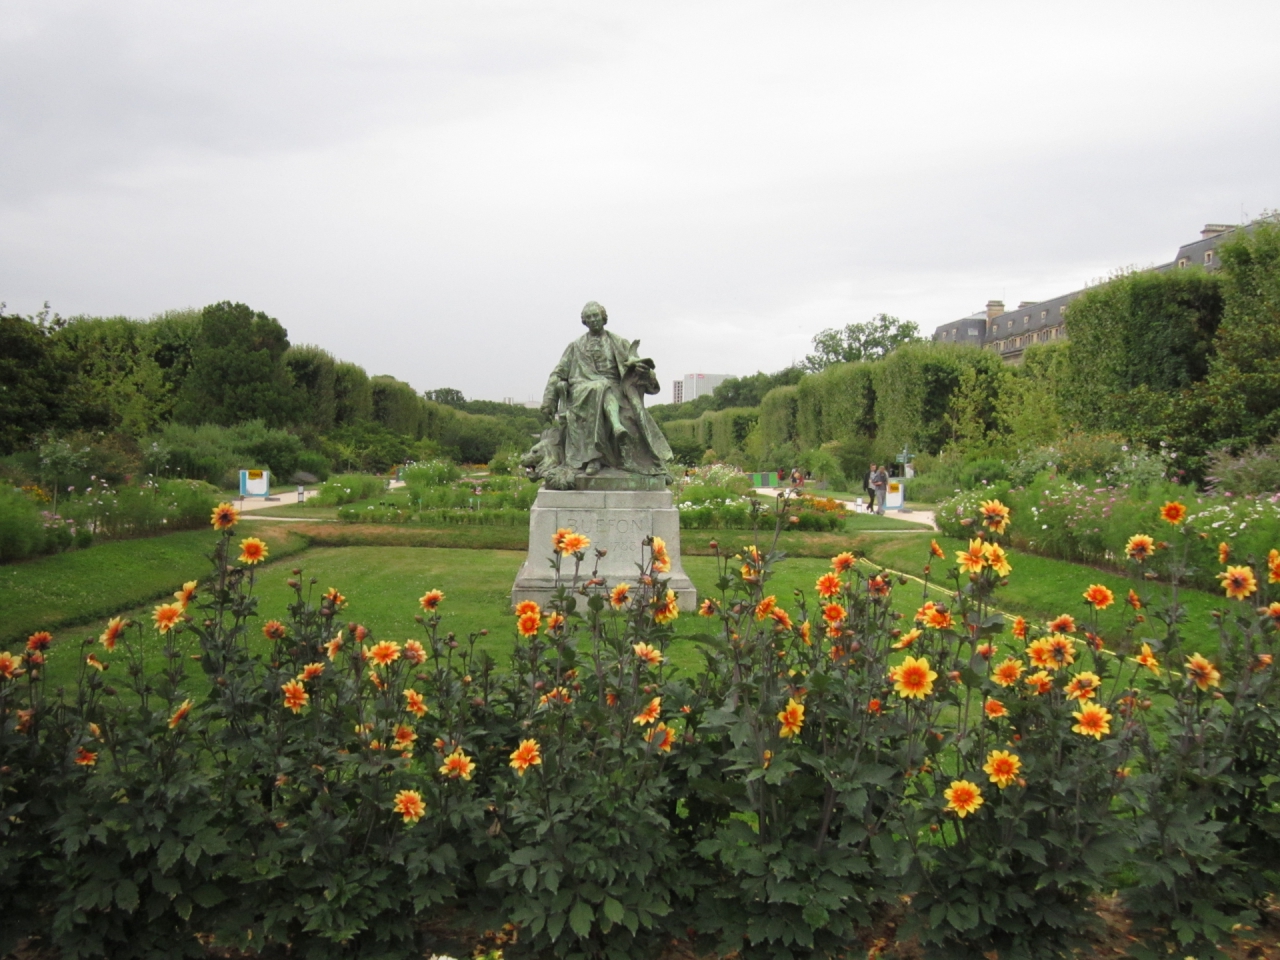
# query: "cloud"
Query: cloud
433,191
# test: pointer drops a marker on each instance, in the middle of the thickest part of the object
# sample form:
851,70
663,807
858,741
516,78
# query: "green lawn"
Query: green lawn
383,578
84,585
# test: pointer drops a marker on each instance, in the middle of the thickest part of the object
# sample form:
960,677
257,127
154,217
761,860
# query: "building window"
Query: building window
1182,263
1208,256
1044,314
1062,310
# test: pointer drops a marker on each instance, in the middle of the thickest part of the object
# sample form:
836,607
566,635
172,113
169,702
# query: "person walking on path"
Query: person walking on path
868,484
880,483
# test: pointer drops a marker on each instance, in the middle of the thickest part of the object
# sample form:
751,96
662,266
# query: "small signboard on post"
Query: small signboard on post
255,483
898,489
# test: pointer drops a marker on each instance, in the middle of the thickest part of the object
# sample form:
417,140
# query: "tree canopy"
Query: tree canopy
880,335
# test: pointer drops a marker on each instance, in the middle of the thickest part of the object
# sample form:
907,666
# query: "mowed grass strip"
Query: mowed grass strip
795,543
382,586
383,583
81,586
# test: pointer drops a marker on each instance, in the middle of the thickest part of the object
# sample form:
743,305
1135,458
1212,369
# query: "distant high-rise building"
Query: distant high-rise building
697,385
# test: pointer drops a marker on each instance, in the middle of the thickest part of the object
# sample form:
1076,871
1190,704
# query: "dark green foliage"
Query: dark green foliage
779,803
314,375
686,450
397,406
32,381
215,454
1142,329
914,386
475,438
1242,392
352,394
368,446
446,395
237,371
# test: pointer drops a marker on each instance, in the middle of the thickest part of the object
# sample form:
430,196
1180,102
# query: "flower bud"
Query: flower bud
296,571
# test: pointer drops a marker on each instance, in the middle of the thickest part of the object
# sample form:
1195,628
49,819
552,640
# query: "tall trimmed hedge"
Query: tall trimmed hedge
1153,330
837,404
778,412
914,385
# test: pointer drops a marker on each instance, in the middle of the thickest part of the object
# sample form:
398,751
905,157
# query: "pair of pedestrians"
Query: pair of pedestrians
877,487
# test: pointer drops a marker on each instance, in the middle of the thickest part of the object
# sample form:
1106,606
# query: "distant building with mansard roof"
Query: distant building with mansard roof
1010,332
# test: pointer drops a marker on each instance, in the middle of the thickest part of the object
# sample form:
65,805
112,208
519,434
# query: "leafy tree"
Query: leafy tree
876,338
238,371
32,382
448,396
750,391
116,382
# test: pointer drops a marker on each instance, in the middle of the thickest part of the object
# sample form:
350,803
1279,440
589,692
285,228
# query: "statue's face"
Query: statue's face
594,321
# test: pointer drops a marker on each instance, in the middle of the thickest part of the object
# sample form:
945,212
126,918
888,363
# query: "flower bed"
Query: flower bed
833,761
1092,523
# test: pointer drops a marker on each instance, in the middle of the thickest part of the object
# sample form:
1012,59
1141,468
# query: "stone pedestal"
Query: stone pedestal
617,521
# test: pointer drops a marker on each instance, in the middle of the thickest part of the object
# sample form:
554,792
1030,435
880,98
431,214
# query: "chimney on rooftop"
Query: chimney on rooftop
994,308
1215,229
1027,303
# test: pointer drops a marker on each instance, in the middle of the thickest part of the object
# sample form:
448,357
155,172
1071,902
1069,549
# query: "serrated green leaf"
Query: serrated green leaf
580,918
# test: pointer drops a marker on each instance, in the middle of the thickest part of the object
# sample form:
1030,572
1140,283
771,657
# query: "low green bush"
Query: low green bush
433,517
347,488
22,528
430,473
151,507
1255,471
214,454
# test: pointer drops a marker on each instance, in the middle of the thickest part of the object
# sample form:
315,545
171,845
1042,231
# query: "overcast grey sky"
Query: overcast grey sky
433,190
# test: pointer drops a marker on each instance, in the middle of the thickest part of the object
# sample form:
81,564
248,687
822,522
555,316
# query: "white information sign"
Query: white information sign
255,483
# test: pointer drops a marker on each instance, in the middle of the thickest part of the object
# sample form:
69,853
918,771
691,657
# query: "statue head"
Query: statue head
594,317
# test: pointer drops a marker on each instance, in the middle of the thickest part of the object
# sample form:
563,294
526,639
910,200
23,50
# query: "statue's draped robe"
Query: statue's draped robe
592,370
